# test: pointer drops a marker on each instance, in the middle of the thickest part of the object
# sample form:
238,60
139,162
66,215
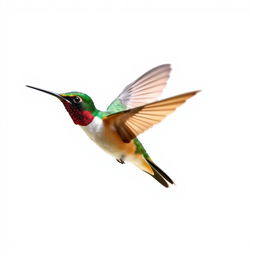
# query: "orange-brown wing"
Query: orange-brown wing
130,123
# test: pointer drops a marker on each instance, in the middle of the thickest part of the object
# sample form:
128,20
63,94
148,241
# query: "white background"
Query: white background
62,195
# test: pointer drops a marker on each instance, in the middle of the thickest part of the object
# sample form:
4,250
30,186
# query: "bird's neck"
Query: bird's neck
83,117
79,116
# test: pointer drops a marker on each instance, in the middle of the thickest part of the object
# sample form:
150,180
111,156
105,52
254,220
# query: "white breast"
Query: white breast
95,131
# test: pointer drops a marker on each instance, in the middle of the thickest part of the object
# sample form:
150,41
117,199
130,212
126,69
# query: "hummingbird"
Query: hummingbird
132,112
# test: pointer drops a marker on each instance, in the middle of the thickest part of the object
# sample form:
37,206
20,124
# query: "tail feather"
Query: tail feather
159,174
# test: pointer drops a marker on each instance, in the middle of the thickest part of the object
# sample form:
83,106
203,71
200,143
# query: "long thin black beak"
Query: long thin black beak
51,93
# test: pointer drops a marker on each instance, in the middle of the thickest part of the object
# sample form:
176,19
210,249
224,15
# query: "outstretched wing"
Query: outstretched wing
145,89
130,123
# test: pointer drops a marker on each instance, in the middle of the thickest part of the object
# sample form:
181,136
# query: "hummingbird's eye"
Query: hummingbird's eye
77,99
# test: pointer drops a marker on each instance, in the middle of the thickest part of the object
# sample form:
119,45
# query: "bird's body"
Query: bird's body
108,139
131,113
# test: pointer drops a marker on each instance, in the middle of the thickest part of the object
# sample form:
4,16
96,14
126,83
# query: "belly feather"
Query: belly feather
108,139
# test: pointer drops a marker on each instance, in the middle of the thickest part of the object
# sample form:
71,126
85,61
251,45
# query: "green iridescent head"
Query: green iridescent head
80,100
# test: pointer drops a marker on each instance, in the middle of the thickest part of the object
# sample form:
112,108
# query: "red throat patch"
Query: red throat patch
80,117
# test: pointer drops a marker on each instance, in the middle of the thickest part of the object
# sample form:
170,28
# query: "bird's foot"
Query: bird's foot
121,161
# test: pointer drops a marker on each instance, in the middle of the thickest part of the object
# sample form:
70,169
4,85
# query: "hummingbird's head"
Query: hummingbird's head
79,105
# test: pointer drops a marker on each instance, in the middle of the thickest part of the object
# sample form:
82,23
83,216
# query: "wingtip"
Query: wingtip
194,92
166,65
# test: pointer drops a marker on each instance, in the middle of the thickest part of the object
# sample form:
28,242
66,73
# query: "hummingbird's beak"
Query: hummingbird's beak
51,93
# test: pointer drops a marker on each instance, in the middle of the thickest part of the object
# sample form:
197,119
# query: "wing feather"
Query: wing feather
143,90
130,123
